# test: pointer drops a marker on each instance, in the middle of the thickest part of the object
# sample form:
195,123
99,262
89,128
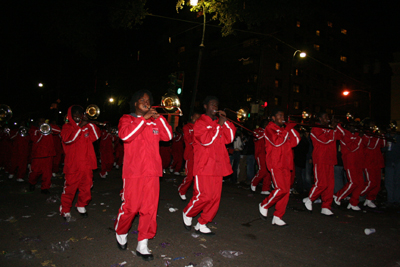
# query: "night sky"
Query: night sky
81,57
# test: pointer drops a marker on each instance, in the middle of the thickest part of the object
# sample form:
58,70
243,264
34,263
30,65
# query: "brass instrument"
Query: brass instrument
23,131
170,104
92,112
241,115
45,129
114,131
5,112
234,122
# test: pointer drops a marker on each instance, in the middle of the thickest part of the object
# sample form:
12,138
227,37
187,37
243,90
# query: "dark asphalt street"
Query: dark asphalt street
33,233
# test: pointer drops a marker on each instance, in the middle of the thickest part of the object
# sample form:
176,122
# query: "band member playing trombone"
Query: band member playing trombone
279,141
141,131
78,136
211,163
324,160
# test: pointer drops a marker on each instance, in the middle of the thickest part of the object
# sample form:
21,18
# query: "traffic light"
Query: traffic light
179,91
176,82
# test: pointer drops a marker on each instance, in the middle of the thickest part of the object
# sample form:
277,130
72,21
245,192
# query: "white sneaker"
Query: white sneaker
355,208
177,173
253,188
202,228
67,217
265,192
318,201
326,212
263,212
121,239
20,180
117,167
187,220
183,197
278,221
307,203
164,171
142,247
103,176
369,204
81,209
11,176
171,170
115,164
335,198
54,174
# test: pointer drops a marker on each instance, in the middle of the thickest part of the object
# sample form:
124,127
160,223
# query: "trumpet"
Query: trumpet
241,114
45,129
234,122
23,131
92,112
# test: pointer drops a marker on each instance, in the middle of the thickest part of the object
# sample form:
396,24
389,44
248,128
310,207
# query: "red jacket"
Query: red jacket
78,145
106,146
278,145
210,154
20,144
259,142
188,137
141,143
43,145
324,142
352,149
372,152
177,144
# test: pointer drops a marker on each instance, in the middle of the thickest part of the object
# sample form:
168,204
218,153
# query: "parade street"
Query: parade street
34,234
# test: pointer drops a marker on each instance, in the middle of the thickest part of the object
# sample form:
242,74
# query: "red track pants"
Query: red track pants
20,162
41,166
183,188
324,184
280,195
81,181
56,163
372,184
206,198
353,187
107,162
262,174
141,195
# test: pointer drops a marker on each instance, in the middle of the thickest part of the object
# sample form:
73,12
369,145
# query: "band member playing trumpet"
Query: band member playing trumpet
279,141
211,163
78,136
42,154
141,132
188,137
324,159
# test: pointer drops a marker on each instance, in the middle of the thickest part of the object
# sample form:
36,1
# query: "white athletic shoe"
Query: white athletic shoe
263,212
202,228
103,176
187,220
117,167
20,180
183,197
335,198
307,203
11,176
369,204
142,247
326,212
277,221
54,174
253,188
318,201
265,192
177,173
355,208
81,209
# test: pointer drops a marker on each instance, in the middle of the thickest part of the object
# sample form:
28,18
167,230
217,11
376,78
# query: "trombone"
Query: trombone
242,116
170,104
92,112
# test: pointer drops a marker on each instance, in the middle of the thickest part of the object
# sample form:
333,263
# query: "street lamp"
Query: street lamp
347,92
301,55
111,100
40,84
196,81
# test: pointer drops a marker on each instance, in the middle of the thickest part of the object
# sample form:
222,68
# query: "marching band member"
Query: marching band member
279,141
211,163
324,160
177,153
141,132
42,154
119,151
78,136
373,163
58,147
20,152
106,151
263,173
188,137
353,158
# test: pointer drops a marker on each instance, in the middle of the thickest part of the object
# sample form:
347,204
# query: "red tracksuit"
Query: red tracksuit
5,150
188,156
140,173
211,163
324,159
59,152
373,164
119,151
263,173
20,154
278,145
80,161
353,157
106,152
165,153
177,152
42,154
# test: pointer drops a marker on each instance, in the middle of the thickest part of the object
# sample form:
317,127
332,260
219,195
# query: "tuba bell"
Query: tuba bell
45,128
92,111
23,131
5,112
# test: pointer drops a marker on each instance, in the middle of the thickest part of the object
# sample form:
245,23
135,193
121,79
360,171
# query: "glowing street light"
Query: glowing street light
346,93
40,84
111,100
194,2
303,54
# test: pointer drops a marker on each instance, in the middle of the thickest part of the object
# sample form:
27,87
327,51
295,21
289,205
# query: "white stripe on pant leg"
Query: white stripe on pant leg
369,181
196,179
259,168
119,216
351,183
316,181
184,180
276,190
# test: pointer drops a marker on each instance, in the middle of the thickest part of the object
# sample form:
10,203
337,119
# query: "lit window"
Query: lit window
277,84
296,88
248,98
316,47
317,32
277,66
181,49
344,31
296,72
343,58
329,24
298,24
277,101
296,104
